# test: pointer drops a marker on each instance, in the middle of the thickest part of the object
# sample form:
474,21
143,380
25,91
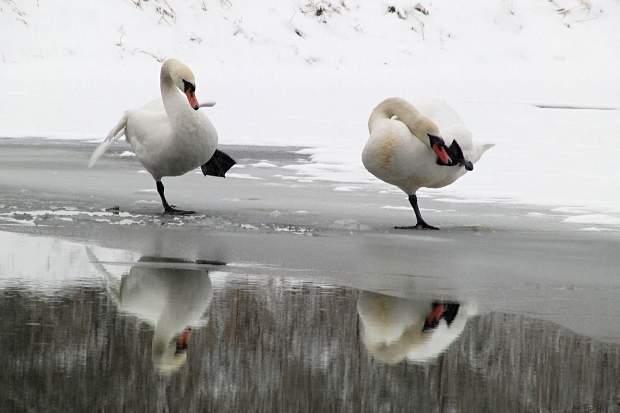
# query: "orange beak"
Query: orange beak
183,339
191,97
435,315
441,152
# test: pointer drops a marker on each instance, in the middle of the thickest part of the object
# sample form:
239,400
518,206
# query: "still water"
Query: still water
87,328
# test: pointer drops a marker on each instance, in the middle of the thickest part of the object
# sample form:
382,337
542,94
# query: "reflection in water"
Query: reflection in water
276,344
398,328
169,299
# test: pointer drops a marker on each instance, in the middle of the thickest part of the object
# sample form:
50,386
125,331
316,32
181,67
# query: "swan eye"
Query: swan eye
188,86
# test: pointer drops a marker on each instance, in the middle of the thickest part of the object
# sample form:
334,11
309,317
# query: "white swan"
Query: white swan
422,145
169,136
172,300
396,328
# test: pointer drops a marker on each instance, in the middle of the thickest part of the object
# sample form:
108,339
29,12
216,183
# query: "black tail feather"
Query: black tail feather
218,165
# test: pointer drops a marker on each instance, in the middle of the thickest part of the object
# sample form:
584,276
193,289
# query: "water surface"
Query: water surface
89,328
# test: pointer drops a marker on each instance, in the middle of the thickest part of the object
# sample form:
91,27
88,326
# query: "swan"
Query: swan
170,300
395,328
425,144
169,136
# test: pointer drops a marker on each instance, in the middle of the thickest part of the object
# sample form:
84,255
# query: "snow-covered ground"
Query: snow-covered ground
536,77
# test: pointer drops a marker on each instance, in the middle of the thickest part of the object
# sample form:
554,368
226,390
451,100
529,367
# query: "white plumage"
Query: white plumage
413,146
169,135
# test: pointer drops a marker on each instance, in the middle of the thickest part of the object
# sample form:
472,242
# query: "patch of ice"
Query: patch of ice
402,208
346,188
243,176
264,164
571,210
305,181
349,224
600,219
142,171
302,212
248,226
275,214
125,222
147,191
127,154
143,201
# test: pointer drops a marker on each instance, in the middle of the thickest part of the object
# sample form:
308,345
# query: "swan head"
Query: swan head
455,157
169,357
183,78
397,328
438,145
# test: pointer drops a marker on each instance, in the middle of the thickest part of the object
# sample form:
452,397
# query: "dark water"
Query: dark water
262,344
116,338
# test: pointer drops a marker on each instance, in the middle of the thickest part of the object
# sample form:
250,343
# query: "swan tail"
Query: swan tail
218,165
115,134
107,277
479,150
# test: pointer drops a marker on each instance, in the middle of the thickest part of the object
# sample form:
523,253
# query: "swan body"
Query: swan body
394,328
425,144
170,300
169,135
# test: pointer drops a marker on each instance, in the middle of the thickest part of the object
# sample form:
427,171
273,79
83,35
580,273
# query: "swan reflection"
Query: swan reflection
171,300
394,329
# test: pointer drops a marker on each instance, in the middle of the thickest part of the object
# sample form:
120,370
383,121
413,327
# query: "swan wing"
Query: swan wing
153,112
147,126
447,120
115,134
452,127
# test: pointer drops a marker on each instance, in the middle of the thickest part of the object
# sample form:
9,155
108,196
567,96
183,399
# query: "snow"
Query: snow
535,77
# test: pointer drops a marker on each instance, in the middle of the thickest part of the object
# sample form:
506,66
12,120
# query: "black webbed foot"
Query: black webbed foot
419,226
218,165
171,210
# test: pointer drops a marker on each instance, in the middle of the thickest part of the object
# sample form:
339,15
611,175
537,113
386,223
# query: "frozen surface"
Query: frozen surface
506,258
532,77
296,293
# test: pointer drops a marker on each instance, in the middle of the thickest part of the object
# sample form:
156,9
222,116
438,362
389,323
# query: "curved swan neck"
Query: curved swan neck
418,124
172,97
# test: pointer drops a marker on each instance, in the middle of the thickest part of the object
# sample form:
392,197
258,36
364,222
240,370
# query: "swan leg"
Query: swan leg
421,224
169,209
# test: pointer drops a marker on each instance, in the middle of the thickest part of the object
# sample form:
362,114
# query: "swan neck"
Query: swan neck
419,125
166,327
171,96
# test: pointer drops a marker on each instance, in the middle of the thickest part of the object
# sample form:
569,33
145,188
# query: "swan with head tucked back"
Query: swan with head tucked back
170,136
419,330
422,145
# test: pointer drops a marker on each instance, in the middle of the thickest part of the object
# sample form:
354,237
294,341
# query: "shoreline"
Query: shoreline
511,259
